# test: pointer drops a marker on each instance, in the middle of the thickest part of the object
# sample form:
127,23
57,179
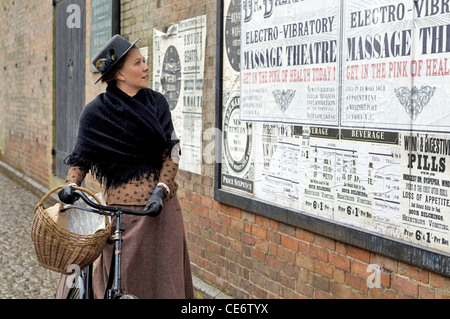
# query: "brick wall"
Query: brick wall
26,64
250,256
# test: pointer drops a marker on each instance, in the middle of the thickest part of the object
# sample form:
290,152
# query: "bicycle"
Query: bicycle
113,289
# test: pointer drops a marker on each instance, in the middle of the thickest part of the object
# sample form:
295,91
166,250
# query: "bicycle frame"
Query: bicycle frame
115,292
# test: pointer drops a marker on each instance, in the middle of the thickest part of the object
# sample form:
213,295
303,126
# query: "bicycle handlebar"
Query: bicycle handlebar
86,199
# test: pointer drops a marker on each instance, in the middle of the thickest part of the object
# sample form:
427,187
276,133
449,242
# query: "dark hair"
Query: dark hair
111,75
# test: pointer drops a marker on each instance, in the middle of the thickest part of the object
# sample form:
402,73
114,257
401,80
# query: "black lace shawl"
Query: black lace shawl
122,138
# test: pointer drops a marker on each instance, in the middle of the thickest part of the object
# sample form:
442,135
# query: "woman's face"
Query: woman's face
133,76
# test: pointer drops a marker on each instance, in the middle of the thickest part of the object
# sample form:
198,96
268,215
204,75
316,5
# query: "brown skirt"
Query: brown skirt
155,258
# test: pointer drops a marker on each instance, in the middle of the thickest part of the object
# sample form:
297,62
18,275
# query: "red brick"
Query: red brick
323,269
248,239
382,293
273,287
217,206
404,285
439,281
320,283
341,248
338,276
305,290
258,231
273,248
289,242
303,248
319,253
340,291
286,229
426,293
207,202
291,270
356,282
442,294
262,244
359,254
248,227
262,220
236,246
412,272
325,242
224,219
235,212
196,199
258,255
342,262
286,281
273,262
237,223
359,268
304,235
286,254
304,261
289,294
319,294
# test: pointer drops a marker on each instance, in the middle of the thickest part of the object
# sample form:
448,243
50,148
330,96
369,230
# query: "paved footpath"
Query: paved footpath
21,277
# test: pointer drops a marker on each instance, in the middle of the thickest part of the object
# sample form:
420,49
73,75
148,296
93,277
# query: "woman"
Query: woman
126,139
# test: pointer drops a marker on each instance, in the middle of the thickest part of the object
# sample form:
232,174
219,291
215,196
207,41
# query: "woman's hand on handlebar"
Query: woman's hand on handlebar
155,202
67,195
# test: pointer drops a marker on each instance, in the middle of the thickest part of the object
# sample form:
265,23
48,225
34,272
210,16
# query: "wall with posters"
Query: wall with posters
179,67
335,119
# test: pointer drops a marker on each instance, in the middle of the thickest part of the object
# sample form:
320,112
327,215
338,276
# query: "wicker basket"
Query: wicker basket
57,248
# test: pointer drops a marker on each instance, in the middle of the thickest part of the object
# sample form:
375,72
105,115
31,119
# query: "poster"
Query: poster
395,65
238,147
279,166
179,64
238,167
289,61
344,112
425,188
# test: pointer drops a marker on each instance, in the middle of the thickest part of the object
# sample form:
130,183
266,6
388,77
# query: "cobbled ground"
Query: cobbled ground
21,277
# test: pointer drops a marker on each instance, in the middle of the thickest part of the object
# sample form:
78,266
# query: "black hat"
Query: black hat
111,53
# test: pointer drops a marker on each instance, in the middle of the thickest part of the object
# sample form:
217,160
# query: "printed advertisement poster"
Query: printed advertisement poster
425,187
278,164
179,64
289,61
340,109
238,168
238,147
395,64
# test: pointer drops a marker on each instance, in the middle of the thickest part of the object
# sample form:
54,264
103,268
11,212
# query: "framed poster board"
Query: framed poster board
333,118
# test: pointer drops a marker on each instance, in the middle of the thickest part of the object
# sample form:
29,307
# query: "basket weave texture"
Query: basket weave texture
57,248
